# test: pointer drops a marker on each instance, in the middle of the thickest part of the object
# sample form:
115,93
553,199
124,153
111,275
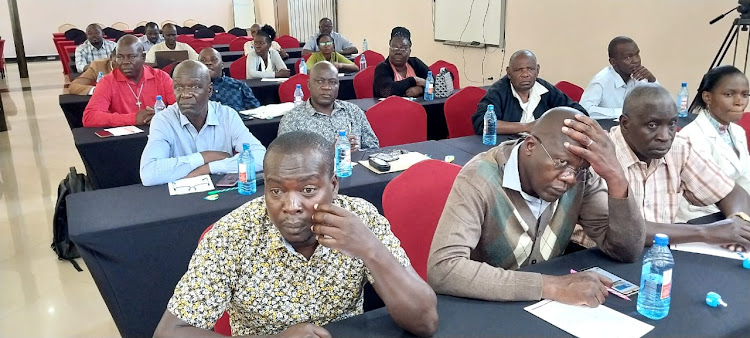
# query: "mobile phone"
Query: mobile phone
229,180
619,284
103,133
379,164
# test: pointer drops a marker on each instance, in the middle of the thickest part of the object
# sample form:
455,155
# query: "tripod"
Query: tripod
733,33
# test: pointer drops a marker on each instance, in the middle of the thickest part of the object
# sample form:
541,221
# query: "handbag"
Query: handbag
443,84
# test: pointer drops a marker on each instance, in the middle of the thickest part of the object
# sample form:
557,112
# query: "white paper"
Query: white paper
190,185
405,161
274,79
126,130
583,321
269,111
706,249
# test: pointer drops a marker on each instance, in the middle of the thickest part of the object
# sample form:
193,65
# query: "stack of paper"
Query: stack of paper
583,321
126,130
269,111
706,249
274,79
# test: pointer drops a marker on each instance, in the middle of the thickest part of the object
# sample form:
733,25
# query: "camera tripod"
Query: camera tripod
739,25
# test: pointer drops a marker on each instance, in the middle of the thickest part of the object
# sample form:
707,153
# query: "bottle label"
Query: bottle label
243,172
429,88
683,102
666,284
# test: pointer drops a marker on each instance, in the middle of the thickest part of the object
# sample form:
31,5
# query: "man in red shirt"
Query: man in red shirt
126,96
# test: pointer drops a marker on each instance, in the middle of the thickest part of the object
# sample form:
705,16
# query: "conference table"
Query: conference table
136,241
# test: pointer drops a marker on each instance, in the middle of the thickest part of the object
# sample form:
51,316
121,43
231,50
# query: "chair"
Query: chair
190,22
121,26
166,22
238,44
185,38
744,122
170,67
363,82
286,88
573,91
221,326
306,57
238,68
223,38
199,45
2,58
238,31
286,41
204,33
435,68
216,29
372,57
428,182
64,27
458,109
396,120
141,23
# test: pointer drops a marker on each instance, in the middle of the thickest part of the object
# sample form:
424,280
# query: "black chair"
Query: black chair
113,33
238,31
217,29
184,30
198,27
139,30
204,33
76,35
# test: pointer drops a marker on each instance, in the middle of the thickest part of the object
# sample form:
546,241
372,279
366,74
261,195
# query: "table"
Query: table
267,92
137,241
694,276
73,107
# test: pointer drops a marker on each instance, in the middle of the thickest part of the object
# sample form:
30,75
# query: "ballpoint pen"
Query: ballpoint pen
611,290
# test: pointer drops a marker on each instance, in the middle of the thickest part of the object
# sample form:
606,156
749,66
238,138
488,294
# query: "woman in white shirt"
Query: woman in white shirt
721,100
263,61
254,29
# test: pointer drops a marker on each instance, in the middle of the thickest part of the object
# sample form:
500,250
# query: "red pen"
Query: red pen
611,290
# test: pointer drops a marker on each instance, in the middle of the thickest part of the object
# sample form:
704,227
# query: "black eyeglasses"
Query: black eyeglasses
580,174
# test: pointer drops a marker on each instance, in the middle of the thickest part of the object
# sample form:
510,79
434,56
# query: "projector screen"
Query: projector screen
468,21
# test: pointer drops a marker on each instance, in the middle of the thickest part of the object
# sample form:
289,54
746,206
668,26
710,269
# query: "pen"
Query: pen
214,192
611,290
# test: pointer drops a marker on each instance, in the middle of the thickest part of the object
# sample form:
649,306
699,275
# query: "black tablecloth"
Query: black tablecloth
694,276
137,241
72,107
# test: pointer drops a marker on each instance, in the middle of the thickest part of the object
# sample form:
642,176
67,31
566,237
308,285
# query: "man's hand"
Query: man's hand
305,330
283,73
144,116
583,288
210,156
735,248
420,81
342,230
732,232
414,91
641,73
354,142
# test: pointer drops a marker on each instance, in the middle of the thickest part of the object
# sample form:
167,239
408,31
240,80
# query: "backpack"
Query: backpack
443,83
61,243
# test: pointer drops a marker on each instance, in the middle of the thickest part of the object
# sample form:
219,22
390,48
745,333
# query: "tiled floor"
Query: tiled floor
39,295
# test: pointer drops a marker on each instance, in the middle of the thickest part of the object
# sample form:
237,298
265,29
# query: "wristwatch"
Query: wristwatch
742,215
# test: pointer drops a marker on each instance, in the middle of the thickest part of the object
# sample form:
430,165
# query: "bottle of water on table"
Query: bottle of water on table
656,280
489,136
299,96
343,158
302,66
99,77
159,105
429,84
246,170
364,45
682,101
362,62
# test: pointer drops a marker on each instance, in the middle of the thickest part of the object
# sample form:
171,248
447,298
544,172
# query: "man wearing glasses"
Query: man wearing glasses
195,136
517,204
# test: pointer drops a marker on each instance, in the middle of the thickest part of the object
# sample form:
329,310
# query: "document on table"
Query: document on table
274,79
269,111
404,162
706,249
190,185
583,321
126,130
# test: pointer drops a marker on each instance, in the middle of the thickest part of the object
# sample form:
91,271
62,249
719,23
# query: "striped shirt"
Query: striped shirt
657,185
86,52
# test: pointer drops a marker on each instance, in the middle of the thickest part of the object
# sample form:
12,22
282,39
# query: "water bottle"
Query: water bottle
299,96
343,158
656,279
246,170
99,77
362,62
302,66
429,84
682,101
364,45
489,137
159,105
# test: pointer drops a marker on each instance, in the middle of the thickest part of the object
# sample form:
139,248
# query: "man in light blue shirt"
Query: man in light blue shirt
195,136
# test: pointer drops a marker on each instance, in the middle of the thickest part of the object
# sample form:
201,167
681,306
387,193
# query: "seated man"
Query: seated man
85,83
96,47
520,97
227,91
195,137
325,25
170,43
151,37
661,165
297,257
517,204
605,94
127,96
325,115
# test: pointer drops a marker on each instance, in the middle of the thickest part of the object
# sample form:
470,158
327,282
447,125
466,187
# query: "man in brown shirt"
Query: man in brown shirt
85,83
517,204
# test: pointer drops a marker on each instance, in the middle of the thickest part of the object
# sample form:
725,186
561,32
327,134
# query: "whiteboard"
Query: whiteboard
244,13
468,21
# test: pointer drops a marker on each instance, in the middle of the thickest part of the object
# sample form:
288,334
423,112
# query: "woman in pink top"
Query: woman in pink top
400,74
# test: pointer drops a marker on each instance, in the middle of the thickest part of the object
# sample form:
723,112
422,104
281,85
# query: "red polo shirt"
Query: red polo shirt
114,102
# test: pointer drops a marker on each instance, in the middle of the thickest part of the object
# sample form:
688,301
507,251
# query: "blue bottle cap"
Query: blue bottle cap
158,97
342,133
491,106
746,263
661,239
246,146
684,84
299,86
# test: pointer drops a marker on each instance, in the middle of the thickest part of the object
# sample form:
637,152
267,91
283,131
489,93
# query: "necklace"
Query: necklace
137,97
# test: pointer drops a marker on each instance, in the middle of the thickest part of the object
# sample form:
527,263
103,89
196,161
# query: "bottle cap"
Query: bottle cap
158,97
746,263
299,86
342,133
491,107
684,84
713,299
661,239
429,73
246,146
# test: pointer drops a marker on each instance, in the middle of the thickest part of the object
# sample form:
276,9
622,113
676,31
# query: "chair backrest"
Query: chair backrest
372,58
238,68
396,120
238,44
428,182
238,31
217,29
458,109
204,34
223,38
121,26
190,23
286,41
745,124
199,45
221,326
363,82
572,90
166,22
286,88
141,23
170,68
185,38
306,57
435,68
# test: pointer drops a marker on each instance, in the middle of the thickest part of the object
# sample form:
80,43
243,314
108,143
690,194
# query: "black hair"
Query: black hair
317,40
709,82
298,142
269,30
324,19
153,25
169,24
264,34
401,32
612,48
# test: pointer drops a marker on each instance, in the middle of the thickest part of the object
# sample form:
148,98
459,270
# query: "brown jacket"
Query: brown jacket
82,84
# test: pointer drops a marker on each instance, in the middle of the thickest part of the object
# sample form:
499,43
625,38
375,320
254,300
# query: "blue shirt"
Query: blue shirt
174,145
233,93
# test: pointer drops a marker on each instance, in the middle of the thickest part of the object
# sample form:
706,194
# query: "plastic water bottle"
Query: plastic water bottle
364,45
362,62
656,280
429,84
343,158
99,77
299,96
682,101
489,137
246,170
302,67
159,105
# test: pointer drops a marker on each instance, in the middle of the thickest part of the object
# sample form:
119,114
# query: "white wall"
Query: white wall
40,18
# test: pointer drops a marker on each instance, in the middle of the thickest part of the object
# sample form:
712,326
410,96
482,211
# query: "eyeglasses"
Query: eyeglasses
402,49
182,188
580,174
326,44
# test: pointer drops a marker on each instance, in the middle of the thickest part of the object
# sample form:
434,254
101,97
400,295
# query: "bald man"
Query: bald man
169,32
227,91
96,47
323,114
126,96
520,97
660,165
195,136
517,204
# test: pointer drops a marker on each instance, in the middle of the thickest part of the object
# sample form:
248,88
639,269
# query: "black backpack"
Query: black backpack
61,243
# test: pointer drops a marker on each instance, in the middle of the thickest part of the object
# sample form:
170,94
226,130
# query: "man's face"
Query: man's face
129,59
213,62
522,72
192,92
627,58
550,176
94,35
326,27
324,86
254,30
650,131
294,183
170,35
152,34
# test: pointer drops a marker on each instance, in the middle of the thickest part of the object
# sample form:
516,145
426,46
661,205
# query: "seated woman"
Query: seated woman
400,74
254,29
721,100
327,52
264,61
